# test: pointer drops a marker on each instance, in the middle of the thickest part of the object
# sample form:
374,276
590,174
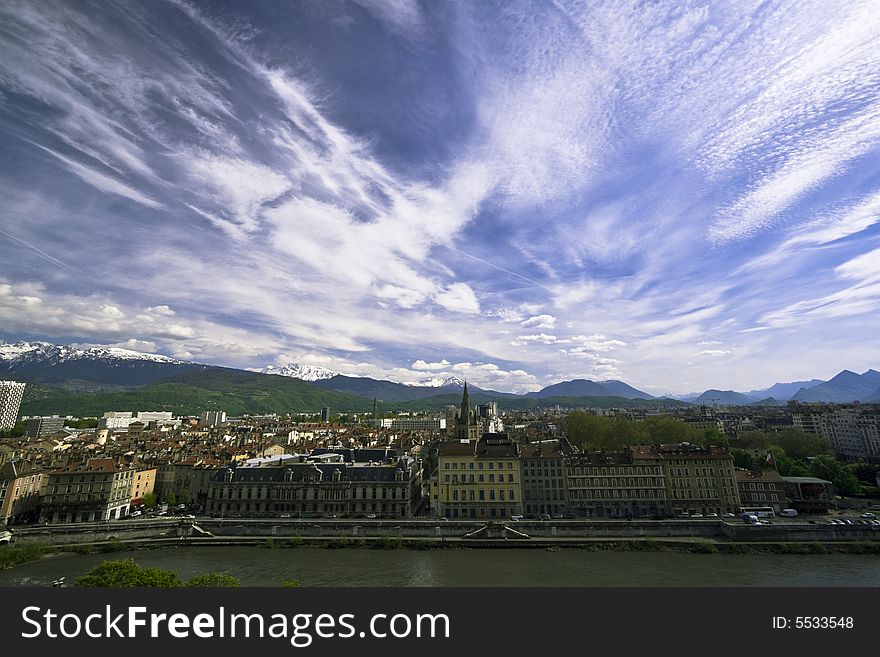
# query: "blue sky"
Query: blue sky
681,195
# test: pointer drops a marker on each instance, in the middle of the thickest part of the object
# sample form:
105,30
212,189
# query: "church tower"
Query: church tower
466,424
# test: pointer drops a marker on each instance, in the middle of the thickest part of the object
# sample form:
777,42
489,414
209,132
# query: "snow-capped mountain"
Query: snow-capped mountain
437,382
297,371
37,352
86,368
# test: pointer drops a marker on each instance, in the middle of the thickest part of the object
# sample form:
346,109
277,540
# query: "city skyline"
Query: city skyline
678,196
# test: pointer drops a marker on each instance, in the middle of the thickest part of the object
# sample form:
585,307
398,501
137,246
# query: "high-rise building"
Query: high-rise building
38,427
213,418
11,393
325,414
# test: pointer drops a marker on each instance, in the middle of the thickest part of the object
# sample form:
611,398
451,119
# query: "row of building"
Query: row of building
495,477
852,431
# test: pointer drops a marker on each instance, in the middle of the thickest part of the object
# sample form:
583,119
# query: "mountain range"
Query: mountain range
77,380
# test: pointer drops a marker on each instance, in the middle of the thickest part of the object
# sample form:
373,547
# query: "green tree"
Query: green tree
585,429
291,584
742,459
801,445
150,500
671,430
827,467
125,573
753,440
171,498
214,580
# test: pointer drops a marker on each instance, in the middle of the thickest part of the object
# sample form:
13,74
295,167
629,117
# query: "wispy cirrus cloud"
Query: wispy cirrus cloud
571,182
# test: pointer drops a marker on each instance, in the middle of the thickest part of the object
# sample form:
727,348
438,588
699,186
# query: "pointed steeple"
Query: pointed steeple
465,407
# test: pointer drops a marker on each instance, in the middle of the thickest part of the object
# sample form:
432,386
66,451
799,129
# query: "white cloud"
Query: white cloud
539,322
422,365
458,297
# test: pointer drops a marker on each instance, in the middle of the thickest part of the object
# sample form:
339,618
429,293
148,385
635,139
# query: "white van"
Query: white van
788,513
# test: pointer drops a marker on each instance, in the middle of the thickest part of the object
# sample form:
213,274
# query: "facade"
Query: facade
94,490
354,483
698,479
412,423
325,414
479,479
762,488
116,421
624,484
852,432
543,476
40,427
213,418
143,483
154,416
11,394
20,492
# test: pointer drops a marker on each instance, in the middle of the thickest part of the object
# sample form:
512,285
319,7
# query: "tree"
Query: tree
171,498
670,430
585,429
291,584
125,573
150,500
802,445
214,580
753,440
742,459
827,467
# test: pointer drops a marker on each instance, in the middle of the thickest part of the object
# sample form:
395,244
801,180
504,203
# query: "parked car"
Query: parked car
557,516
868,516
516,518
728,515
696,515
372,516
711,515
543,516
135,514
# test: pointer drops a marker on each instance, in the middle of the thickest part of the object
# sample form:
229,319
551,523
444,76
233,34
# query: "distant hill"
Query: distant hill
526,403
723,397
235,391
388,391
783,391
90,369
588,388
844,388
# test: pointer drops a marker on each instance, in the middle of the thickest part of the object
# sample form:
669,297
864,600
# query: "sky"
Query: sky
681,195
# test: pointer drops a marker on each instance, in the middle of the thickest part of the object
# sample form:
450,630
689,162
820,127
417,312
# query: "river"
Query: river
255,566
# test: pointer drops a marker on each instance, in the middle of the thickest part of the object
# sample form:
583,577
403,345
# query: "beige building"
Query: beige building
94,490
698,479
479,479
143,483
20,494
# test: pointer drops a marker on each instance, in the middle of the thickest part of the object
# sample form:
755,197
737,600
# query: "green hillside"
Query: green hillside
440,402
235,391
239,392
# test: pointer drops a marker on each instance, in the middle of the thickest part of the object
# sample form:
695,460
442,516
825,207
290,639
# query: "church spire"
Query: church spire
465,406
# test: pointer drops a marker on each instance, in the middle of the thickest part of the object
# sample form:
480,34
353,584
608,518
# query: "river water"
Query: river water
255,566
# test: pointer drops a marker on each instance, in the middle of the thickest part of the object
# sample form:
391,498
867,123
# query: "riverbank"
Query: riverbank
11,556
347,566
